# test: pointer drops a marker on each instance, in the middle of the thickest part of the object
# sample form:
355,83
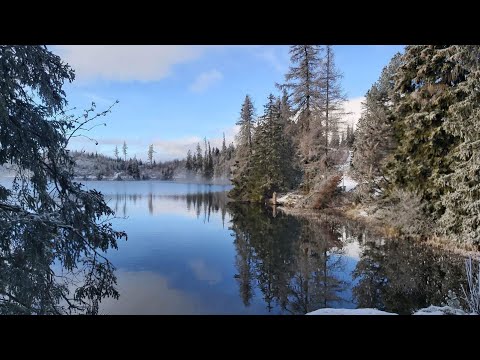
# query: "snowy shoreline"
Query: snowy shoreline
431,310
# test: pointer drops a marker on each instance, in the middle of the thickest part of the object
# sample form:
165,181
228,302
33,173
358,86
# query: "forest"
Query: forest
415,149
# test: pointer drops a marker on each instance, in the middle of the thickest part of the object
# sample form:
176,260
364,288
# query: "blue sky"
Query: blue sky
173,96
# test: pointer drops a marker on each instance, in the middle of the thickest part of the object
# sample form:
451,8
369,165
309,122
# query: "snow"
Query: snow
365,311
437,310
348,182
431,310
289,199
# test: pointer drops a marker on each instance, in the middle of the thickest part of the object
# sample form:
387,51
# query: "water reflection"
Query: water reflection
202,203
303,264
191,252
402,276
297,264
284,264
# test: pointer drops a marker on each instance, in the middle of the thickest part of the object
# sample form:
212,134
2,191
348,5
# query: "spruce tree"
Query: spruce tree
271,166
199,162
373,141
461,186
124,149
425,88
244,147
150,154
189,161
54,233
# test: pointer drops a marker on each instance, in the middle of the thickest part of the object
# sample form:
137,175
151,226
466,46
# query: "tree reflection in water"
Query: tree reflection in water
292,265
299,265
400,275
296,263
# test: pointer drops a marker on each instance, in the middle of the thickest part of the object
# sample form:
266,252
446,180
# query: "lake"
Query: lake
189,252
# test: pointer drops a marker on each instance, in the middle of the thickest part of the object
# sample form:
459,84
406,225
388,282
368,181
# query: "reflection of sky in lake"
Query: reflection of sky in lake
186,254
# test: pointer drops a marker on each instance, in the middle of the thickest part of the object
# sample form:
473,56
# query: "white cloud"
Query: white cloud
206,80
354,108
203,272
126,62
177,148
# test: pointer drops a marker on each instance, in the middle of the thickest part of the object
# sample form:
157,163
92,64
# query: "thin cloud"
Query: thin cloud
206,80
270,55
126,62
98,99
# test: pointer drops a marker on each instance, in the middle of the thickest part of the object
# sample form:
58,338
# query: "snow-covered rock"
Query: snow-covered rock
289,200
439,310
366,311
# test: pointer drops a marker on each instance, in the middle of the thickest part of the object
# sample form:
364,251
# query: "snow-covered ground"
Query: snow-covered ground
366,311
347,182
431,310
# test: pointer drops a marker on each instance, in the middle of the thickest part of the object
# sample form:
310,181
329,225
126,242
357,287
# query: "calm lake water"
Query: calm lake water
188,252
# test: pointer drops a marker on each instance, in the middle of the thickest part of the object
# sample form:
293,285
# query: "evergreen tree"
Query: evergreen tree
47,220
150,154
350,137
302,80
246,123
189,163
244,143
374,141
208,172
199,162
271,166
115,152
425,88
332,97
124,149
224,146
461,186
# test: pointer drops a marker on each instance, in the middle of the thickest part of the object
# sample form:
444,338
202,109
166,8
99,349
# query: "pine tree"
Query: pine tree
350,138
373,141
271,166
208,174
115,152
332,97
124,149
244,144
461,186
189,164
302,81
150,154
199,162
224,146
47,220
246,123
424,91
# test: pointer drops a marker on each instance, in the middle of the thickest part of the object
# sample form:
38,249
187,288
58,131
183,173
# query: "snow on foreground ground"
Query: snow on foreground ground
431,310
329,311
